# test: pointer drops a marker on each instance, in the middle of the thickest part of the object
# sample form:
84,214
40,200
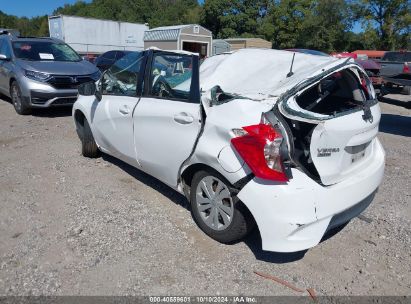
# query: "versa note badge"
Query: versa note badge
325,152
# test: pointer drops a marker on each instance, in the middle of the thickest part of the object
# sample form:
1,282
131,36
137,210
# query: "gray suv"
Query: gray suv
41,72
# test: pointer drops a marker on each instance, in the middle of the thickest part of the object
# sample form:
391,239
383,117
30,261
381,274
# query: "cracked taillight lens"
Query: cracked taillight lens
259,146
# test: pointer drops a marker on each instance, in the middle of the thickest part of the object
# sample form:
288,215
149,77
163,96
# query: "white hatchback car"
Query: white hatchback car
283,140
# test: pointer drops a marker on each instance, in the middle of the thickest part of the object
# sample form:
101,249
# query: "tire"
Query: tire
88,144
18,103
233,221
406,90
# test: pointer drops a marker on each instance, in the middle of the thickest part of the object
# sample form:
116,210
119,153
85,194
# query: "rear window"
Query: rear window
44,51
397,56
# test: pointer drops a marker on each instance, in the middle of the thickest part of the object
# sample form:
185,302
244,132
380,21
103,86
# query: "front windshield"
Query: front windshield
44,51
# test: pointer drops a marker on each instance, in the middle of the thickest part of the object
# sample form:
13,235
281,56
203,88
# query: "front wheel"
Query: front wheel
218,212
88,144
18,103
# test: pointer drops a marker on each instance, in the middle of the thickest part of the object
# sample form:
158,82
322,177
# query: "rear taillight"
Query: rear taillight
259,146
406,68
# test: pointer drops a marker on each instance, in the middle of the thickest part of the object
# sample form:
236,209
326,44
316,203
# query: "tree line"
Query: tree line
325,25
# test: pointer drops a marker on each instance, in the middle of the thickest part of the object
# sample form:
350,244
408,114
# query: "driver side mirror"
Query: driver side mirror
90,89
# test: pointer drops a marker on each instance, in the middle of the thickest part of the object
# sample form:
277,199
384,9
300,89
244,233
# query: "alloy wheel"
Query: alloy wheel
16,97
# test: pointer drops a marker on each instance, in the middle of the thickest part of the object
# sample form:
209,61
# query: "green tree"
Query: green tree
389,19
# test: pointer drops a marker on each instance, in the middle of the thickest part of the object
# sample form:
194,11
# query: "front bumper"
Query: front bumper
42,95
295,216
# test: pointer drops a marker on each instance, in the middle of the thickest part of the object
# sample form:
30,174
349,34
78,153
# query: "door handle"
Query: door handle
183,118
124,109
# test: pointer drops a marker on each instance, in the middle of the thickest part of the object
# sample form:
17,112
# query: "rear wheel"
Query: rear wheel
18,103
218,212
88,144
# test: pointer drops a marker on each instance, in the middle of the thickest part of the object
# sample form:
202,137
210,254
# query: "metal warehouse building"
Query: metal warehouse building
243,43
189,37
220,46
96,36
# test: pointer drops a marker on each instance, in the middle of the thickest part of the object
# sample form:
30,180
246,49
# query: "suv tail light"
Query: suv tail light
406,68
259,146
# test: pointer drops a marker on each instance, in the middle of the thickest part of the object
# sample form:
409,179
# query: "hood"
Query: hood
261,73
59,67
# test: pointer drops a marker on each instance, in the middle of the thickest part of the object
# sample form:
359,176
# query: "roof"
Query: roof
91,18
216,41
268,69
167,33
245,39
172,27
370,53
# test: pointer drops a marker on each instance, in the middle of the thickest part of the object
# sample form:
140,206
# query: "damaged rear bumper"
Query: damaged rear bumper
295,216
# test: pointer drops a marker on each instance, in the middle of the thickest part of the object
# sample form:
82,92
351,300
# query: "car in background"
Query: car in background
107,59
344,55
41,72
396,71
372,68
297,165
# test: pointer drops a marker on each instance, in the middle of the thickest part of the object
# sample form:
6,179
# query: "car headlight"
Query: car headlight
38,76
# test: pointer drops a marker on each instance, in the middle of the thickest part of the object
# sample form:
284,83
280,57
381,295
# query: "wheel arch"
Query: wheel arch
188,174
12,79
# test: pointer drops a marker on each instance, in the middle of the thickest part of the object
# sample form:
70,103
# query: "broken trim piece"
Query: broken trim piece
287,110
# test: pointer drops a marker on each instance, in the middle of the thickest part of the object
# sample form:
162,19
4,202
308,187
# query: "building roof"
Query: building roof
167,33
245,39
222,41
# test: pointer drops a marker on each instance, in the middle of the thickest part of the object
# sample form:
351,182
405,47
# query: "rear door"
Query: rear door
112,117
167,119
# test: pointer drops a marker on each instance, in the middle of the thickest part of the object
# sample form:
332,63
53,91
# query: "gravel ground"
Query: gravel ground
75,226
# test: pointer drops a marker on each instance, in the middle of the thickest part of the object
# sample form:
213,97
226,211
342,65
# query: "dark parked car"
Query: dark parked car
396,71
106,60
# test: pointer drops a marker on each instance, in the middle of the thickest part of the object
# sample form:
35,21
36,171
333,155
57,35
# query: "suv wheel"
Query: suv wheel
218,212
20,107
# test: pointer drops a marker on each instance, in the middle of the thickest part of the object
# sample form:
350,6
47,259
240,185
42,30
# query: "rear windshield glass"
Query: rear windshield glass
44,51
397,56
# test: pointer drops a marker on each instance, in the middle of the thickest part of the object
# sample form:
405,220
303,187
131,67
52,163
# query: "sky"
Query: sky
31,8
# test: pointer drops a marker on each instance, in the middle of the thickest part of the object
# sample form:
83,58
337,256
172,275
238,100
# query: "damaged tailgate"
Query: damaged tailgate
334,119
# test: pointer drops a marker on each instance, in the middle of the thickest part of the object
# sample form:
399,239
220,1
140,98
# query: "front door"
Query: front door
112,117
167,119
5,66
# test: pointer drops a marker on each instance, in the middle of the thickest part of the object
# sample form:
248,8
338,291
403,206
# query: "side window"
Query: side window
122,77
4,48
110,55
171,76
